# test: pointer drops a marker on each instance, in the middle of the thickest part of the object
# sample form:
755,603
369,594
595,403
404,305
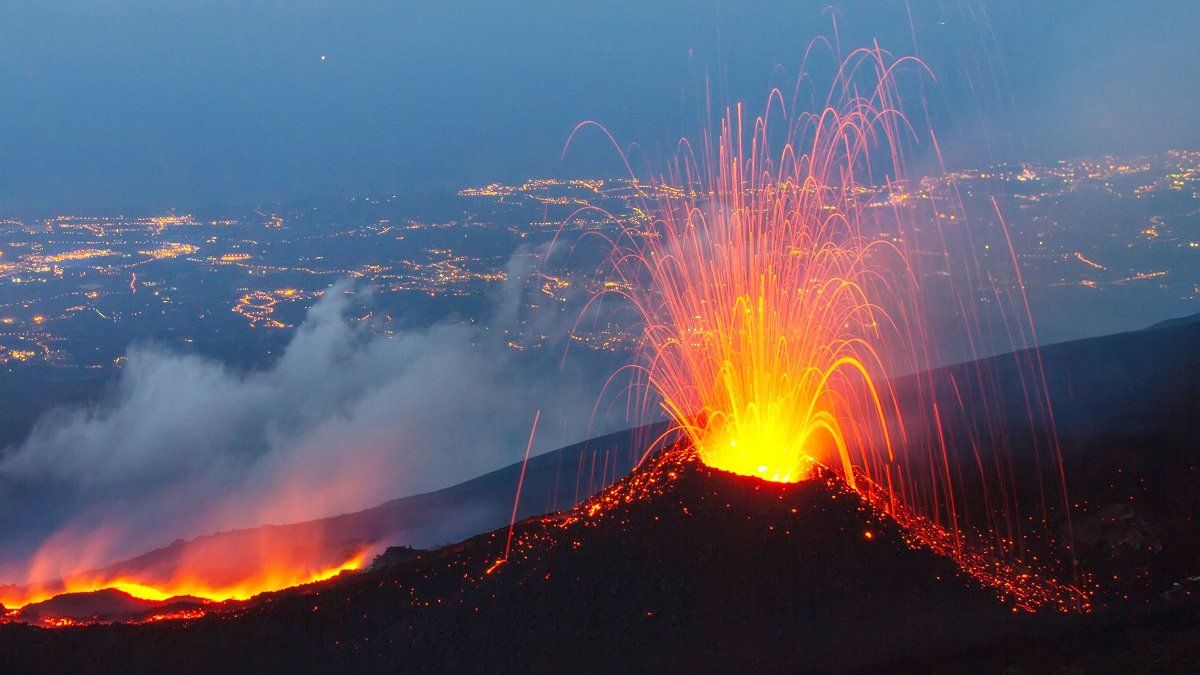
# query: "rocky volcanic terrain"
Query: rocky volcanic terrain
681,567
677,567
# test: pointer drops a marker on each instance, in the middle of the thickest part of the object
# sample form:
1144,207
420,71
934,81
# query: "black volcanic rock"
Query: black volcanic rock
678,567
1126,416
739,580
1126,408
700,570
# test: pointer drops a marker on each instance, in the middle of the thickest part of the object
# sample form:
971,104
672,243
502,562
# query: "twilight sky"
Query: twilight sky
134,104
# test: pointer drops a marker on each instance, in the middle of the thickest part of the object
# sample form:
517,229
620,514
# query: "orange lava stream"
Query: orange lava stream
183,584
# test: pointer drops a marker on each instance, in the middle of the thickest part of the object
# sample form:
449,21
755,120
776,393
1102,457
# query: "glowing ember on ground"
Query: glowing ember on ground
181,615
1019,586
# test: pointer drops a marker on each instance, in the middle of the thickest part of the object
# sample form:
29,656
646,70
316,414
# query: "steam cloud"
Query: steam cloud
343,420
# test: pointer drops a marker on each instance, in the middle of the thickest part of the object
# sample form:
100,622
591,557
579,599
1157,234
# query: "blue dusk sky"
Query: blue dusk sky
130,104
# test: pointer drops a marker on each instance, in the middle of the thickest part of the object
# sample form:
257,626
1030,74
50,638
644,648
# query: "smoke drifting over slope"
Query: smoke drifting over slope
342,420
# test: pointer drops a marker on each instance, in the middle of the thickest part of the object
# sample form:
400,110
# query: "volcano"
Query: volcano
678,565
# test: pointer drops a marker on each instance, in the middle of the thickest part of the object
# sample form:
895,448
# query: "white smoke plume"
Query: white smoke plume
342,420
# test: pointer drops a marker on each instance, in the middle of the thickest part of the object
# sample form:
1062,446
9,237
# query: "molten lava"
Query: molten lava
765,302
183,583
779,273
764,321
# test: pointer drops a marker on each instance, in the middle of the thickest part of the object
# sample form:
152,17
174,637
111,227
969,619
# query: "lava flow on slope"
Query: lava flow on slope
676,565
141,589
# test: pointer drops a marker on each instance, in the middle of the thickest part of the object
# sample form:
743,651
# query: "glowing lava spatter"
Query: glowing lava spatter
766,304
779,272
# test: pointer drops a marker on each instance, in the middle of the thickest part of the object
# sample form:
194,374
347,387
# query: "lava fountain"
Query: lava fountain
770,309
781,271
763,321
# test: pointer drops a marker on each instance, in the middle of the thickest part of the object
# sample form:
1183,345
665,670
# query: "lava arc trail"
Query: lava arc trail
779,274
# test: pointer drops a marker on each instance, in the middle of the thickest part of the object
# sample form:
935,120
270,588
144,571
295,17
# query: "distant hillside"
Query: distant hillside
1179,321
1126,409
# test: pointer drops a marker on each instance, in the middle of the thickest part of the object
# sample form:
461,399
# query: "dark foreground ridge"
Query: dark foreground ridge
676,567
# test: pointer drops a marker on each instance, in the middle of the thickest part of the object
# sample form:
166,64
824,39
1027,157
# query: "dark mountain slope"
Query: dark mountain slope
718,572
1126,407
678,567
553,481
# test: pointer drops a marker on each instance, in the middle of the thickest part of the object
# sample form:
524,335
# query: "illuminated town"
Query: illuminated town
78,289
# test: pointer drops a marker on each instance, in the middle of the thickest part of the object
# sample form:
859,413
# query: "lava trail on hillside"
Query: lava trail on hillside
677,565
